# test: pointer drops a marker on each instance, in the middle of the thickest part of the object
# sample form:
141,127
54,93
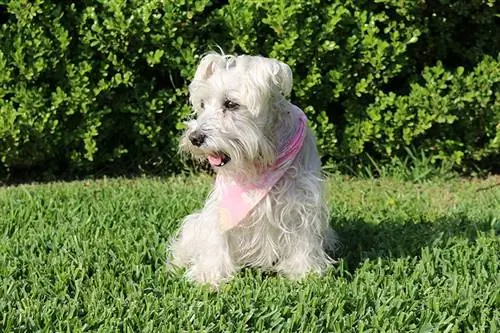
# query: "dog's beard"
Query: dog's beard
238,147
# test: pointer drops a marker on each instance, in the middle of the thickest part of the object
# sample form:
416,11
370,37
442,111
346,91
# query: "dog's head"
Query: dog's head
238,102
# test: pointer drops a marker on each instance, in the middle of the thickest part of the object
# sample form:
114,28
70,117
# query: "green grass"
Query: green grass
89,256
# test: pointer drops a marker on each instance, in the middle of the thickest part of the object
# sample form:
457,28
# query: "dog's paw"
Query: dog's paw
213,276
300,265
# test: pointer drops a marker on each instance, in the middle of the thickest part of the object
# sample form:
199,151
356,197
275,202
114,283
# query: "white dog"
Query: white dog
267,207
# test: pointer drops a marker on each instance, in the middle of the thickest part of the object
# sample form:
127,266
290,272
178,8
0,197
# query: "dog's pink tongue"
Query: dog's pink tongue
215,159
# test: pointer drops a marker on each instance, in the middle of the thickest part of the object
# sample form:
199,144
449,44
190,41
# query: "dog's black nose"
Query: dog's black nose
197,138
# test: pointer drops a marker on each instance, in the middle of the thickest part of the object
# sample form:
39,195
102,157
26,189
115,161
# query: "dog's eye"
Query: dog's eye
229,104
202,104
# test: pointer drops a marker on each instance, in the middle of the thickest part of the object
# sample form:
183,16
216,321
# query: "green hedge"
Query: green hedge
92,86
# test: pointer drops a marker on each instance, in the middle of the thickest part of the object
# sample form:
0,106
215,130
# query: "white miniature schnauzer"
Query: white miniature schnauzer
267,208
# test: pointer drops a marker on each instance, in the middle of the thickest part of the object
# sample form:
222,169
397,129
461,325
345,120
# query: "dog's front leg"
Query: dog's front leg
203,248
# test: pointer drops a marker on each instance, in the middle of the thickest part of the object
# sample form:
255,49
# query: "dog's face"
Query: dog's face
237,103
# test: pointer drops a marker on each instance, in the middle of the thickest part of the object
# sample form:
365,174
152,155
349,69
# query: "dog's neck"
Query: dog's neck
238,196
280,131
287,127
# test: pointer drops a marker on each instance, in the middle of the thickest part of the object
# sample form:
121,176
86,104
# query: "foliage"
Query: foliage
92,86
84,84
452,116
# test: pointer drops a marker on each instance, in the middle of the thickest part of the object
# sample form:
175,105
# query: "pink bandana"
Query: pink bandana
237,199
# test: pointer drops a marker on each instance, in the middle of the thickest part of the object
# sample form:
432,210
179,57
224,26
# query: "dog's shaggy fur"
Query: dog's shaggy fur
241,112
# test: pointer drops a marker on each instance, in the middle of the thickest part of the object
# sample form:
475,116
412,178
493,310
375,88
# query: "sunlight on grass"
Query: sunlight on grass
90,255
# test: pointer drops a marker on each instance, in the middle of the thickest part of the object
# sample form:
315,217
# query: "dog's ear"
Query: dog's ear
272,74
281,75
208,65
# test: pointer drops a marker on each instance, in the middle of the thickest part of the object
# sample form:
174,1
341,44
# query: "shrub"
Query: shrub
94,86
86,85
356,63
452,116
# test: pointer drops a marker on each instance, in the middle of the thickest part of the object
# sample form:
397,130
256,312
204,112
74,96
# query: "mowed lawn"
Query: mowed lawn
90,256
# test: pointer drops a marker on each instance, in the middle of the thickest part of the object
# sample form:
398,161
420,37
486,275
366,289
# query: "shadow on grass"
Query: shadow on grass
361,240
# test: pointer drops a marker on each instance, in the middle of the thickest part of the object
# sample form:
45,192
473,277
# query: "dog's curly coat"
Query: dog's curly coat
241,117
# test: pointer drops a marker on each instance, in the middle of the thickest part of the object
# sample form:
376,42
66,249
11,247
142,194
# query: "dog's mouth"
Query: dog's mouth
218,159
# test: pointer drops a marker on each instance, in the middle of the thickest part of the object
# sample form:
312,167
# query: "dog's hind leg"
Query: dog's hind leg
306,248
